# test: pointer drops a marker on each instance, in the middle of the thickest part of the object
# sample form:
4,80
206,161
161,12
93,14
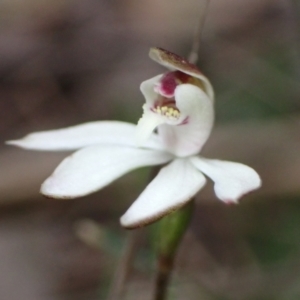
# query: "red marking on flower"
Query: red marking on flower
230,202
184,122
182,77
168,83
164,102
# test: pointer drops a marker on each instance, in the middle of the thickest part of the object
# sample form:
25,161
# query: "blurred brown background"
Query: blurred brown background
64,62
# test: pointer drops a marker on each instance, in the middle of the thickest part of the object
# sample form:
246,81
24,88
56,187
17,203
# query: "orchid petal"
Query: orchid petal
232,180
146,125
173,187
92,168
147,89
197,110
88,134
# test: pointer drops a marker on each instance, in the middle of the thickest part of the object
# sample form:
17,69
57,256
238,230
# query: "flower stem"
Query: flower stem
165,266
193,57
170,232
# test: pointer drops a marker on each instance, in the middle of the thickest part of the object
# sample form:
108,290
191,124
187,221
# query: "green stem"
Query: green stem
165,267
170,232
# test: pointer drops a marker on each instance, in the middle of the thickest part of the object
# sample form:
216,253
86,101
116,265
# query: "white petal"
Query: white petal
146,125
206,85
232,180
147,89
198,110
75,137
174,186
92,168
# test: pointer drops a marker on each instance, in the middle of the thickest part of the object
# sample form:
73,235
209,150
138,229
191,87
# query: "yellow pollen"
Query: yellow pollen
163,109
169,112
176,113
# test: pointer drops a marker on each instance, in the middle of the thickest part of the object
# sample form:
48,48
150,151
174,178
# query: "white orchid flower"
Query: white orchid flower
179,105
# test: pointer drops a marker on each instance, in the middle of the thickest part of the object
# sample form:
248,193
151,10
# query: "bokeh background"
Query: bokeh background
64,62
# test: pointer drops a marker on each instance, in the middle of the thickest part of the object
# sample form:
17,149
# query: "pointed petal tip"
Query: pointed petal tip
55,197
14,143
231,202
51,189
232,180
255,186
129,222
174,186
24,143
29,141
47,189
80,136
236,200
154,53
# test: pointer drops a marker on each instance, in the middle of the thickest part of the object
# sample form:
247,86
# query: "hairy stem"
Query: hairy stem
193,57
170,231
